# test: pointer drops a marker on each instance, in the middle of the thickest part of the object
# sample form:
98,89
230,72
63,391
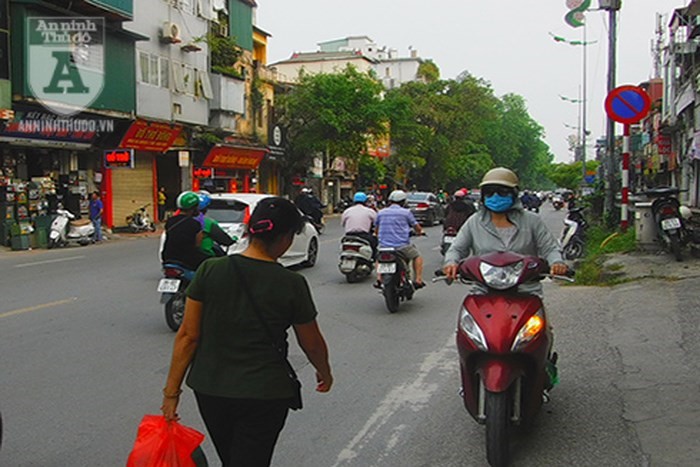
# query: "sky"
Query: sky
505,42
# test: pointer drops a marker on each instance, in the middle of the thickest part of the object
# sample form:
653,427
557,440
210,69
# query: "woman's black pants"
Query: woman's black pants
244,431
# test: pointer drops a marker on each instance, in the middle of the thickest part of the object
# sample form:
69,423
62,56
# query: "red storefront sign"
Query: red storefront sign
664,144
116,158
150,136
234,157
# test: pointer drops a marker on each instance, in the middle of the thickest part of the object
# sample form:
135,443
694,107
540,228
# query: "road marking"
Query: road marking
413,395
37,307
48,261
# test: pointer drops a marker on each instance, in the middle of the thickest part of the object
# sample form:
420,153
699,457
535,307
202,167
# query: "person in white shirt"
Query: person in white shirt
359,220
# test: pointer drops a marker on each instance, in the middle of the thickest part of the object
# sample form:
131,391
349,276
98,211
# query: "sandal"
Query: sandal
418,285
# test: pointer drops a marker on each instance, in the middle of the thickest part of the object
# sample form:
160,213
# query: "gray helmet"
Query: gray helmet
398,196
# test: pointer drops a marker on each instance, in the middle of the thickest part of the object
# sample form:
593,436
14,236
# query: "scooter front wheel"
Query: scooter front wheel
573,250
175,311
497,427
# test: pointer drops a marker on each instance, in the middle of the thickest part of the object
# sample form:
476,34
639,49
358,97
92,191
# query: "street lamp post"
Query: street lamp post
583,115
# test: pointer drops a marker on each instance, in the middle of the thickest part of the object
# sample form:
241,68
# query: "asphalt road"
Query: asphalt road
84,351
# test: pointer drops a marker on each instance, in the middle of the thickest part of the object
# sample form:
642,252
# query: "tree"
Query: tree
570,176
428,71
331,115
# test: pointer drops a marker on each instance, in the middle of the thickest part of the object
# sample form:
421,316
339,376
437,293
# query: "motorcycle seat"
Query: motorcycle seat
81,222
353,238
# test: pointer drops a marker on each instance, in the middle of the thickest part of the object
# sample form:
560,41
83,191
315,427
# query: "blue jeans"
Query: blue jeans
98,229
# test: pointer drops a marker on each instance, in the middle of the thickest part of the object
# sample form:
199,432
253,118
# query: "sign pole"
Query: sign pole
624,222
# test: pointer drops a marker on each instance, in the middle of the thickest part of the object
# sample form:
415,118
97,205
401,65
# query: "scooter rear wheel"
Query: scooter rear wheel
676,247
175,311
497,425
391,294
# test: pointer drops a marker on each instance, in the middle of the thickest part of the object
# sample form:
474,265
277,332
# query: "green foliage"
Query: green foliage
449,133
225,54
601,241
428,71
332,114
371,170
570,176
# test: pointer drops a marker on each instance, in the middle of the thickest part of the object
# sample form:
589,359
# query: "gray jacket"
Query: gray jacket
478,236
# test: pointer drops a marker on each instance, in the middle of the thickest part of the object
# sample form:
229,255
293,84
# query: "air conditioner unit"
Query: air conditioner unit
171,33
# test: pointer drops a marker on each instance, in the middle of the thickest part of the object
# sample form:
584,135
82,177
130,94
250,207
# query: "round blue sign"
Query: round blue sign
627,104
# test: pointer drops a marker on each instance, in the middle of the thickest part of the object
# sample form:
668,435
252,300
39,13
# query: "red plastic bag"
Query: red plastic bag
162,444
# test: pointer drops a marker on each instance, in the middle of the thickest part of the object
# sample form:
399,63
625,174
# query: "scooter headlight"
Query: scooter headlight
531,329
473,331
501,277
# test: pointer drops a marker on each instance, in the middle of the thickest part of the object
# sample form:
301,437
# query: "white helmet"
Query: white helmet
397,196
306,190
685,212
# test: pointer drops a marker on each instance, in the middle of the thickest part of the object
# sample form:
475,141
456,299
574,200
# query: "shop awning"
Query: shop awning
150,136
234,157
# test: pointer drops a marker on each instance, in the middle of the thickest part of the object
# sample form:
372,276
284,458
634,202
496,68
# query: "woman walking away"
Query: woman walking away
233,339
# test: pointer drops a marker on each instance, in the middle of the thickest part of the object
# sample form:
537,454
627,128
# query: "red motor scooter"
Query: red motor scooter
504,345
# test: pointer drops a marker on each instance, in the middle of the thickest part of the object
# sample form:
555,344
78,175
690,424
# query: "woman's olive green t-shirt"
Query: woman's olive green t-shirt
234,356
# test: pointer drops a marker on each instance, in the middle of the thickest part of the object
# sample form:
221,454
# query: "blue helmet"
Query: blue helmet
360,197
204,199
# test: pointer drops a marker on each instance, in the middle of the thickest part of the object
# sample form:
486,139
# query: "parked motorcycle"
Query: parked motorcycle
172,287
504,344
65,229
356,260
448,236
573,237
670,223
140,221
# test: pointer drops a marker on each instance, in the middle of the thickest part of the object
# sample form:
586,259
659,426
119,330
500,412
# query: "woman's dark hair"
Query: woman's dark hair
273,218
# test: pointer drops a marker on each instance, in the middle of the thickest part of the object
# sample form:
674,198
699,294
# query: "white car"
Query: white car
232,210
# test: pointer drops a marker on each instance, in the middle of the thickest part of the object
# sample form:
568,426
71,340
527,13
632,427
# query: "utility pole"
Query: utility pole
612,6
584,130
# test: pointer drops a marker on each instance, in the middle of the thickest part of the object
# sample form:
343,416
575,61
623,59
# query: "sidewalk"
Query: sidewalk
661,265
108,236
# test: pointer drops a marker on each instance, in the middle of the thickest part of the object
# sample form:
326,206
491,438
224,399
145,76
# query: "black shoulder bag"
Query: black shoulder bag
295,402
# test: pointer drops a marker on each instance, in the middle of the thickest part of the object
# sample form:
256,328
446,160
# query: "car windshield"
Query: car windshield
418,197
227,211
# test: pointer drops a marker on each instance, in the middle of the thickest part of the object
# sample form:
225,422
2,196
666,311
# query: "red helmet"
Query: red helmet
461,193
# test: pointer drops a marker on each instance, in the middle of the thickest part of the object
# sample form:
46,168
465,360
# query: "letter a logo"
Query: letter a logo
65,61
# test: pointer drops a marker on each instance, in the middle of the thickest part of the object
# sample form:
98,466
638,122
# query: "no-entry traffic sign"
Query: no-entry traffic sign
627,104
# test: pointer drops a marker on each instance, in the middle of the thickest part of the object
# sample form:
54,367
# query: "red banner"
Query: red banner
145,136
664,144
234,157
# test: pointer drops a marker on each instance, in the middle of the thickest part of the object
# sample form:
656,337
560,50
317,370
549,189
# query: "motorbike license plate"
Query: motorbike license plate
387,268
671,223
449,239
348,264
169,285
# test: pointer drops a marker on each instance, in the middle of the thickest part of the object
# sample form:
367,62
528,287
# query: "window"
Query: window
188,75
204,85
164,72
154,70
178,77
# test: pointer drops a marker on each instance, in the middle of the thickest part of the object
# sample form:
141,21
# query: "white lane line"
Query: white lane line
37,307
48,261
414,395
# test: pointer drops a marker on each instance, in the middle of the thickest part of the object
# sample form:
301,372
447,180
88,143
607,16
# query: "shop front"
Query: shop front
229,169
128,187
46,162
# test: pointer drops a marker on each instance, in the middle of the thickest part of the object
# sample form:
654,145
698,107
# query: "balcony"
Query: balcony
229,94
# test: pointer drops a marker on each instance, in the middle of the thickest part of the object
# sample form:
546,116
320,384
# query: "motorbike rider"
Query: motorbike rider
503,225
310,205
394,224
183,233
458,211
213,236
359,220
